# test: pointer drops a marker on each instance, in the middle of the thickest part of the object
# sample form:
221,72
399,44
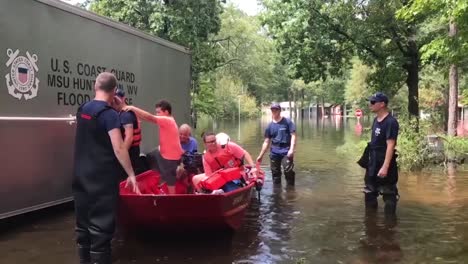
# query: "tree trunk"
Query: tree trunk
194,117
195,94
302,112
452,106
302,105
344,114
290,106
295,104
317,108
323,107
453,92
412,81
453,101
445,107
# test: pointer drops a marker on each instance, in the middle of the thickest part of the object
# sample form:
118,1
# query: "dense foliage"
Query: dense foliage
320,51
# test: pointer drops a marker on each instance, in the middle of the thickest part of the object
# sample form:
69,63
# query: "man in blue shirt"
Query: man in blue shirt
382,171
281,134
188,143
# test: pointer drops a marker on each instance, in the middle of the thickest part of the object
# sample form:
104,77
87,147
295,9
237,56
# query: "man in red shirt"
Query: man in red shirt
170,151
221,153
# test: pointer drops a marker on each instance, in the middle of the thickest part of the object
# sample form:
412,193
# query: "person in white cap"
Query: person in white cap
221,153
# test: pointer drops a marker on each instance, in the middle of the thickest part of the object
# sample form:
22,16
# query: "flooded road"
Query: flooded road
321,220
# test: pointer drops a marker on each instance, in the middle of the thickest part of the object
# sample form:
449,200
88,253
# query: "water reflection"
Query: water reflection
380,242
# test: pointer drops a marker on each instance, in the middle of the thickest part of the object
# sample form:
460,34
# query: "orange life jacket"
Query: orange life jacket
220,178
223,161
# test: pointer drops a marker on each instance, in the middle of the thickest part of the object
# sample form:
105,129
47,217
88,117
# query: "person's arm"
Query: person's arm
207,168
249,159
292,148
391,143
240,153
124,159
128,140
120,151
265,146
292,131
142,113
127,119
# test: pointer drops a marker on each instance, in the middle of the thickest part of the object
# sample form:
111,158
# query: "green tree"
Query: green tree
449,45
357,84
250,55
317,38
205,101
193,24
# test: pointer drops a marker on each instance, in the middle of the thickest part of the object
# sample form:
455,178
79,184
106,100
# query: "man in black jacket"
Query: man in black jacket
382,170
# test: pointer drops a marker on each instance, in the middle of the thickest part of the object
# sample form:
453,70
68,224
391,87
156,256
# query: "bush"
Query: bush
455,148
413,149
352,148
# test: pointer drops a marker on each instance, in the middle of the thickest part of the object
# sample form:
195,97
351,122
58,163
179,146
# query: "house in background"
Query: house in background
286,110
289,111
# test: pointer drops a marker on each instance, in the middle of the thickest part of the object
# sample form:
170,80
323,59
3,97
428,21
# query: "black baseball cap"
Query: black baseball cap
275,106
120,92
378,97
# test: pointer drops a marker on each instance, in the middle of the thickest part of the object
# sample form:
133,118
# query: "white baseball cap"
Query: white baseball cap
222,138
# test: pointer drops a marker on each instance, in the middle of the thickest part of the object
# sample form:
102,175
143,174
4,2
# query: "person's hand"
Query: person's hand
253,170
131,183
383,172
180,172
290,154
259,159
252,173
127,108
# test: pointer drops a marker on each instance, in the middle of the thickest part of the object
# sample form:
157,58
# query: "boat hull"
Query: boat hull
183,211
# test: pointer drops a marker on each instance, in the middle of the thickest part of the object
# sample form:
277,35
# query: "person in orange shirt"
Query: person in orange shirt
168,156
221,153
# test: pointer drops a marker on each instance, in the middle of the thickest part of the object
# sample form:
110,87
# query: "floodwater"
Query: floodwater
321,220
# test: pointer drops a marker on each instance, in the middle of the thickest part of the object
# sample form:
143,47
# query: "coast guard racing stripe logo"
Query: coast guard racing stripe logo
21,80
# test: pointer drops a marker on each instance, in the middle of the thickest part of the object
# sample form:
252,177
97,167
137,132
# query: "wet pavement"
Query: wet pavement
321,220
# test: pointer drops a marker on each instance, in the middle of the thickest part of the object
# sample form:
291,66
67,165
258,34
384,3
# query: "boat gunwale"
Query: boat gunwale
191,195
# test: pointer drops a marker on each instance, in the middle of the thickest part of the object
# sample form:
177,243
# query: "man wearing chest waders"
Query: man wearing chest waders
379,159
99,161
281,135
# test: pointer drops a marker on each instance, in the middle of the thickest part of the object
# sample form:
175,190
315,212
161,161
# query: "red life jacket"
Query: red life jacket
223,161
137,134
136,131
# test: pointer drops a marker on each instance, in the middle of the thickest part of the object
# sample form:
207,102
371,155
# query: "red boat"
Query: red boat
152,210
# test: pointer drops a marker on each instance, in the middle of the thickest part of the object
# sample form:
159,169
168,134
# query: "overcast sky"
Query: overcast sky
248,6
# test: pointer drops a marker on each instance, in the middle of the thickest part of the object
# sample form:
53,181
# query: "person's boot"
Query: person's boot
390,204
370,200
100,257
84,255
289,174
277,180
290,178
